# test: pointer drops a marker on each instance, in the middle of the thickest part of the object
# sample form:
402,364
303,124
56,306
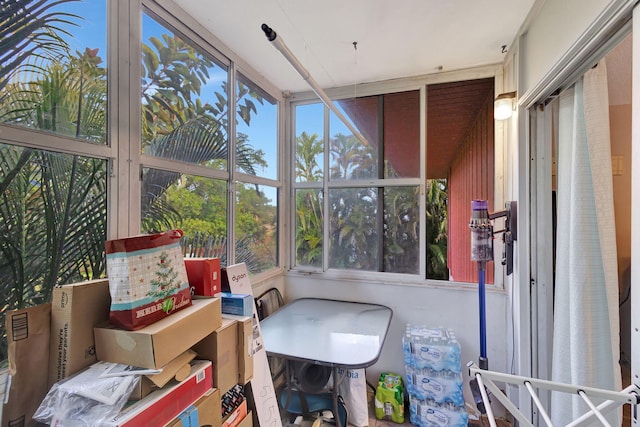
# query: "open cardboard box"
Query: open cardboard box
157,344
178,369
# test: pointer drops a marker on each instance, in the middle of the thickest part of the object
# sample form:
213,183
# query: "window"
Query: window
54,150
377,204
368,227
186,116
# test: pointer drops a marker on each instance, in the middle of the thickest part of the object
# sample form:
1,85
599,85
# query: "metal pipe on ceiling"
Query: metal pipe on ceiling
284,50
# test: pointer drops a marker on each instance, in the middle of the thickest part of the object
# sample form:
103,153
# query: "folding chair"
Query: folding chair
267,303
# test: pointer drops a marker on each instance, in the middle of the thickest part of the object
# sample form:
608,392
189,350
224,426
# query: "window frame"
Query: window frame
381,88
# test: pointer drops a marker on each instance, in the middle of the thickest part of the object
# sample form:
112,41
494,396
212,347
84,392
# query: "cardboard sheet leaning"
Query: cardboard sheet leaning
264,394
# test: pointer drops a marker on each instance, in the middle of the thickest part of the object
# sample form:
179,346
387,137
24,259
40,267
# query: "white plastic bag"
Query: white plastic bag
86,398
353,390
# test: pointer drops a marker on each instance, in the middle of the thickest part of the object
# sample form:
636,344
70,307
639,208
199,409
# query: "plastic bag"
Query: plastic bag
86,399
353,390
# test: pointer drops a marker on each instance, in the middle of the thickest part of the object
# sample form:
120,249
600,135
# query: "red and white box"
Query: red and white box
163,405
204,276
235,417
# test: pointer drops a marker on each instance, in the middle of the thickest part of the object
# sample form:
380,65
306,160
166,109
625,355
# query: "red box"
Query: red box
203,275
163,405
238,414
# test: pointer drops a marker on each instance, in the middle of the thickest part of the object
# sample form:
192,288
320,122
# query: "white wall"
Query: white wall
444,306
557,26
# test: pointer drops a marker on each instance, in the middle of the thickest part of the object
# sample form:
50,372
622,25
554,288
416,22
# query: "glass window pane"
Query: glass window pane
350,158
256,131
353,228
309,227
256,227
184,99
402,134
436,229
460,168
309,142
53,222
60,86
402,230
193,204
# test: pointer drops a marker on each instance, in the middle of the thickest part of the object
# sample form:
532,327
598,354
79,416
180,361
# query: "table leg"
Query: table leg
335,394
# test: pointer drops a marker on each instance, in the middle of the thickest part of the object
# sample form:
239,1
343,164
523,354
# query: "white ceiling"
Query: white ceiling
395,38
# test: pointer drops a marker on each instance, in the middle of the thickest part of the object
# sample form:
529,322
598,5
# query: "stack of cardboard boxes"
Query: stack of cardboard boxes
203,353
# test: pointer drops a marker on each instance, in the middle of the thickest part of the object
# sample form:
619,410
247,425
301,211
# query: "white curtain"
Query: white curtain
586,324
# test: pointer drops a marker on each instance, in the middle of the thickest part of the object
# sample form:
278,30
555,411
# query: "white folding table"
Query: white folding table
337,334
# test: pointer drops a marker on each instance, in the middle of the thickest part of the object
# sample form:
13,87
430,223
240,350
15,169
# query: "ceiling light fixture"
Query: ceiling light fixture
284,50
503,105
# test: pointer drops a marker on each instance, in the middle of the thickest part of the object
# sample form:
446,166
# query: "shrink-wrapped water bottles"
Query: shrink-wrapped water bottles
435,348
441,386
433,377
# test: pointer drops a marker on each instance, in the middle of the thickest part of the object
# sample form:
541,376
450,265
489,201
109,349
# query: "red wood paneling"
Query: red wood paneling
471,176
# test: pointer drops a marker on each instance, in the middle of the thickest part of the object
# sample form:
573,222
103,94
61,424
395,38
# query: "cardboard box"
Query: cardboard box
204,412
238,304
247,421
28,335
203,275
220,347
157,344
163,405
238,415
75,310
245,347
178,369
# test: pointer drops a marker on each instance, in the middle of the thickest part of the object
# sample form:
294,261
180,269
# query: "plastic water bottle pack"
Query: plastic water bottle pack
433,377
441,386
435,348
428,413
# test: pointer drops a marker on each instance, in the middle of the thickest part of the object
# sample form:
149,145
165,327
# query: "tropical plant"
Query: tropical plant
354,228
53,206
353,224
308,148
350,159
309,227
401,226
30,29
309,210
436,223
178,126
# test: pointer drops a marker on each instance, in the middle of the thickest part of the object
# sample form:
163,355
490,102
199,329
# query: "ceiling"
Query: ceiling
342,43
395,38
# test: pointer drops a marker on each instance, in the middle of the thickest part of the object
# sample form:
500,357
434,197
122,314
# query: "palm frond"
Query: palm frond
28,28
